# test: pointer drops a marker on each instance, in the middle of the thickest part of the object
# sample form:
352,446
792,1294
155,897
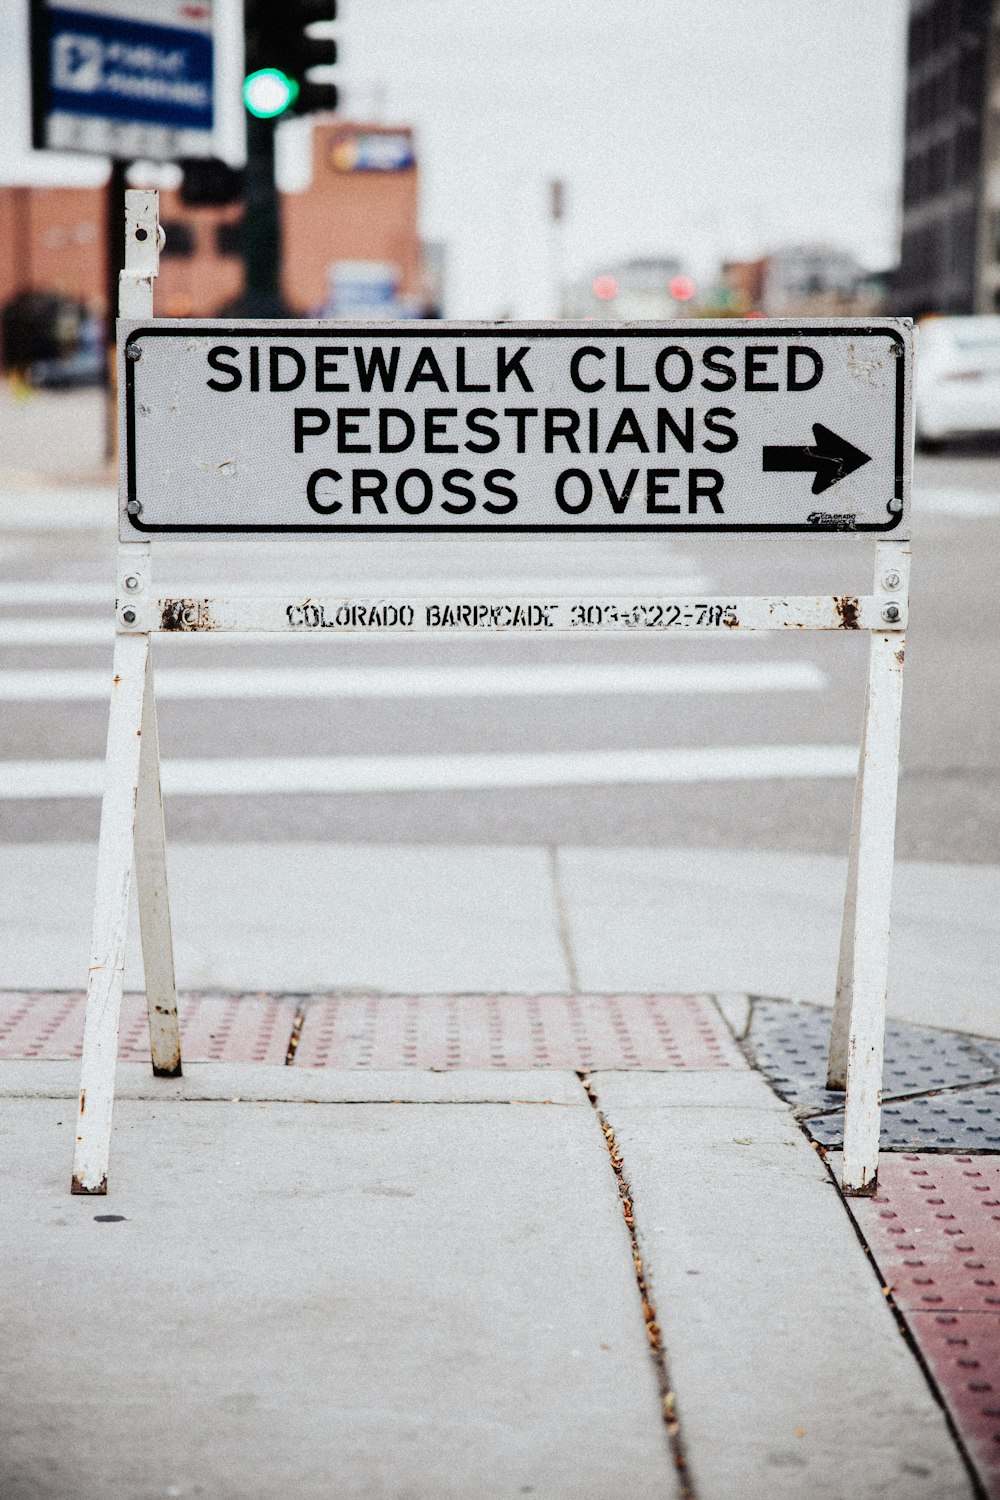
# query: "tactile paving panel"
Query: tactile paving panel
963,1120
578,1032
789,1044
962,1351
214,1028
934,1230
990,1048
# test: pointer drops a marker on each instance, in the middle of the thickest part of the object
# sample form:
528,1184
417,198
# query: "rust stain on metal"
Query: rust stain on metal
83,1101
900,656
116,680
79,1188
846,606
184,614
172,617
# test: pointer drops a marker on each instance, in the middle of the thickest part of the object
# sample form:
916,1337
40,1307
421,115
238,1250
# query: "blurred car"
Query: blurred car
957,384
52,340
83,365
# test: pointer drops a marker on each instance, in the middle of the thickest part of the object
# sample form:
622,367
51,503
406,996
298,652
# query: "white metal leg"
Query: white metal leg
873,887
154,904
836,1077
114,872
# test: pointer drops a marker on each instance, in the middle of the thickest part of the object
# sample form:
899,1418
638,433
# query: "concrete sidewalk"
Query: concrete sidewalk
455,919
309,1281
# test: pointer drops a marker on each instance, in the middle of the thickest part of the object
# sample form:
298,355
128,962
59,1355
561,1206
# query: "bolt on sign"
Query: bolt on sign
241,427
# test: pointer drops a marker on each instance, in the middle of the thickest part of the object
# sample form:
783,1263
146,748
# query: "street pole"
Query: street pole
114,261
261,296
557,213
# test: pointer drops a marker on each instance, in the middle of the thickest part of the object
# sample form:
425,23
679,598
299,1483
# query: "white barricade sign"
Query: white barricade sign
244,429
237,428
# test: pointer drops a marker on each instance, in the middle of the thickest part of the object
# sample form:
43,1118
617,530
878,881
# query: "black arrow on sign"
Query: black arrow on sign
829,459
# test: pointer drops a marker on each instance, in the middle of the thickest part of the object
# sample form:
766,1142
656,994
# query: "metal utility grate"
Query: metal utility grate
579,1032
934,1230
789,1044
214,1027
963,1120
990,1049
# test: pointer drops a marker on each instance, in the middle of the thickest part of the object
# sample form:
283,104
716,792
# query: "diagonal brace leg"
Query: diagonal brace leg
836,1076
114,874
154,905
872,900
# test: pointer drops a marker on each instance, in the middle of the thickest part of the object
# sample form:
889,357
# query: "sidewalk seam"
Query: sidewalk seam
294,1035
562,920
945,1090
668,1396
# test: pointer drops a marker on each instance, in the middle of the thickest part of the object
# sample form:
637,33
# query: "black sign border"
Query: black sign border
421,330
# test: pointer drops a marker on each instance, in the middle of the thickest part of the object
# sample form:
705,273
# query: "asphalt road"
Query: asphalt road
797,692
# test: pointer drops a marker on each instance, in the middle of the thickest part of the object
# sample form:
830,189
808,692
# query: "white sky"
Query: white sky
707,129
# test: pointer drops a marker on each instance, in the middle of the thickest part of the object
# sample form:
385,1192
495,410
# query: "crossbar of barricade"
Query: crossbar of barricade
132,835
534,614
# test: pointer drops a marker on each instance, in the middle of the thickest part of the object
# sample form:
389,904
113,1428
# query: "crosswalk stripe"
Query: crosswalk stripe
18,592
57,630
15,593
448,773
968,504
531,681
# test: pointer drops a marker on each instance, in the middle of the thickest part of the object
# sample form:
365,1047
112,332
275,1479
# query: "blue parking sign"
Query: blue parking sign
127,77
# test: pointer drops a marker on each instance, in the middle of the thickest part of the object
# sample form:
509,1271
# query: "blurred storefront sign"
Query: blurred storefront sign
124,78
372,151
363,289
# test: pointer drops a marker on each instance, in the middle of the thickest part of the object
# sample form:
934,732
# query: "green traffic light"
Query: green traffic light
269,92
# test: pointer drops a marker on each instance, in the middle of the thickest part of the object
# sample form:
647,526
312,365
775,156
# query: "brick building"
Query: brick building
53,240
360,206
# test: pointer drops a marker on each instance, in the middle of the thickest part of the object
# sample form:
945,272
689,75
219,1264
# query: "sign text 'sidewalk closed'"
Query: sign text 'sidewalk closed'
732,426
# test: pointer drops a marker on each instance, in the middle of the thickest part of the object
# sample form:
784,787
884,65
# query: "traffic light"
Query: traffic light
282,51
268,93
209,183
